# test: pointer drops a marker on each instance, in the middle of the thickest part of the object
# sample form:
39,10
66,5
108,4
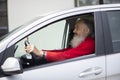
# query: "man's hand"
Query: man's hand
30,48
34,50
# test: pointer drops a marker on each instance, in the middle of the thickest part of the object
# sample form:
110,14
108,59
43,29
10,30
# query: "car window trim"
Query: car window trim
107,33
99,36
64,34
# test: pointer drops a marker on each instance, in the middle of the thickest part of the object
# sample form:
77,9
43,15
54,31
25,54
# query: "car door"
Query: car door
112,31
88,67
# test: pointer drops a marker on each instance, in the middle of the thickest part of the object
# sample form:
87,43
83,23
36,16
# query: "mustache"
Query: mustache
75,34
77,40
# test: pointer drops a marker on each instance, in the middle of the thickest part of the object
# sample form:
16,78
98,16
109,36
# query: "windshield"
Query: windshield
19,28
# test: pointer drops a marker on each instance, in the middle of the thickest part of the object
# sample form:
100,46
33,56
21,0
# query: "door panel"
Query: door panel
68,71
65,71
113,67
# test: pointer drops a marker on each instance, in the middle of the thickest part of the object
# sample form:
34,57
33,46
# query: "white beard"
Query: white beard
77,40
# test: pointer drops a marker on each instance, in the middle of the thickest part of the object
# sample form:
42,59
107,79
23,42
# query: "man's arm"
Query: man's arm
85,48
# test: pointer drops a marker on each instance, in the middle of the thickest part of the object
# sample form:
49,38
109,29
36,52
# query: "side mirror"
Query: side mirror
11,66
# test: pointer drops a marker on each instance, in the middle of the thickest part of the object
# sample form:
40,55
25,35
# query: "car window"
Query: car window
114,23
47,38
56,38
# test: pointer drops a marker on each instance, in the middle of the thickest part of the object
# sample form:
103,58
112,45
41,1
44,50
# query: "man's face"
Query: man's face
81,29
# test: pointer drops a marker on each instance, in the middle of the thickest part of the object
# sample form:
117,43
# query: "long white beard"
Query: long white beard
77,40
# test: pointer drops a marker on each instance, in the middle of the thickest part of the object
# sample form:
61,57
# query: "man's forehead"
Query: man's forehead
80,24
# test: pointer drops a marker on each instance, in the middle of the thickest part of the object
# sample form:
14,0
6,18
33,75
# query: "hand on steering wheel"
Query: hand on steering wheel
29,48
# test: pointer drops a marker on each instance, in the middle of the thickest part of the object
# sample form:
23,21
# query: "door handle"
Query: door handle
91,71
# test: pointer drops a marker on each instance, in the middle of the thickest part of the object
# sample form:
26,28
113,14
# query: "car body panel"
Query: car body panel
113,66
70,70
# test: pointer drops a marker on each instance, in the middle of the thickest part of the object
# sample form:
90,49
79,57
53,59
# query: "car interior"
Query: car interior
72,21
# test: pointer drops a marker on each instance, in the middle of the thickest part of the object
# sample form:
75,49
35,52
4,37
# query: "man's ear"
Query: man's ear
87,30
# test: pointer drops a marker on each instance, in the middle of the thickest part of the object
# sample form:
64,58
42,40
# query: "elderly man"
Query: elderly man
81,44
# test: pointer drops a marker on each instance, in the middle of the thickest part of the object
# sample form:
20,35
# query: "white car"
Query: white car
54,31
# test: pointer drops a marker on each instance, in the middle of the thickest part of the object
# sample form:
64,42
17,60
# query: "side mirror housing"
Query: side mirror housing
11,66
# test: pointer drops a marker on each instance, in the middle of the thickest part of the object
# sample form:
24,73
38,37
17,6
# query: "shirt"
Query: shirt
84,48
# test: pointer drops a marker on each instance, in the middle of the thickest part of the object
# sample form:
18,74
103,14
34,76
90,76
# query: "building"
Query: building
14,13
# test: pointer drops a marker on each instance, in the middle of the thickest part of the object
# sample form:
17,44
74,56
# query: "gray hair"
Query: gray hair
89,24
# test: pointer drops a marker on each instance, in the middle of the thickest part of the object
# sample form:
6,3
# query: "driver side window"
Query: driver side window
46,38
55,40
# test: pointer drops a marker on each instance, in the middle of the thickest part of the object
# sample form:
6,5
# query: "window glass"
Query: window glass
47,38
114,23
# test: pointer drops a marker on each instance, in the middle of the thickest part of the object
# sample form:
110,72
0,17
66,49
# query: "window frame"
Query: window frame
99,43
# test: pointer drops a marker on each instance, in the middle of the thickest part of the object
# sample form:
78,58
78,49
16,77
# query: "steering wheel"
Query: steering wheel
30,59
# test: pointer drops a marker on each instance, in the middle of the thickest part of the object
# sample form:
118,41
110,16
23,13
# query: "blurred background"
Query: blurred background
14,13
